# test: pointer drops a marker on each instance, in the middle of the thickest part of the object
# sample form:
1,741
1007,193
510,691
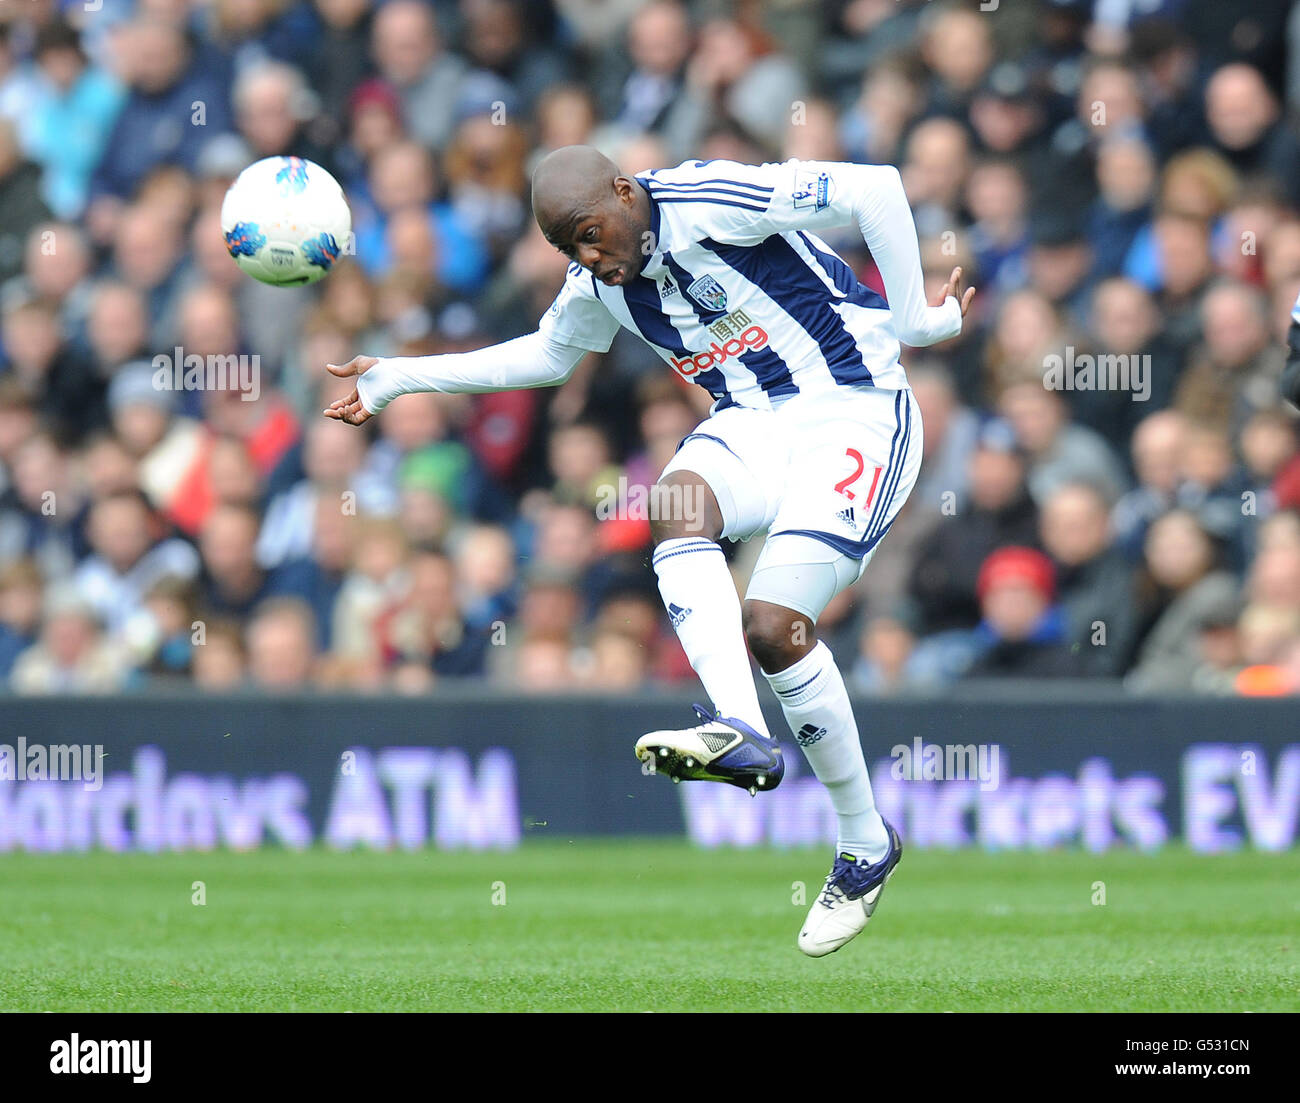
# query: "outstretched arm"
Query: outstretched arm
885,219
535,360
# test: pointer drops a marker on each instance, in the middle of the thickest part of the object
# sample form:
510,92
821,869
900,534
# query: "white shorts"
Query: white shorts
833,468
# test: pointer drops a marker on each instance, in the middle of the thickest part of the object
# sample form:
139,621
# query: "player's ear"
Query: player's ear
624,189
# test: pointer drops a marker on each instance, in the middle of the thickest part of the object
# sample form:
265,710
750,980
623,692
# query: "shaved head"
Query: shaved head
569,179
593,213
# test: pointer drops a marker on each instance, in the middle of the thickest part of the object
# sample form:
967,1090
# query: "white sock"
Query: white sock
702,602
814,699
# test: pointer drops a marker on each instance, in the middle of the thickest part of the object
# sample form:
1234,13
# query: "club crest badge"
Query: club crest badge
709,293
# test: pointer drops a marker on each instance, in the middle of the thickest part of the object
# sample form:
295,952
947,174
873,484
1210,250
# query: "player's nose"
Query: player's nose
588,256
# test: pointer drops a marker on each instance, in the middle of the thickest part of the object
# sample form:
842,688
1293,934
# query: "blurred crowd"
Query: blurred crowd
1119,178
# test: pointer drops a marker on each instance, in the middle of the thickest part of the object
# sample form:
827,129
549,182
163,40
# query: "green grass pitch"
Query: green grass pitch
642,926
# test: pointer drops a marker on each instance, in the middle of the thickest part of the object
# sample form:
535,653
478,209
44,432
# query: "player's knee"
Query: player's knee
778,637
684,506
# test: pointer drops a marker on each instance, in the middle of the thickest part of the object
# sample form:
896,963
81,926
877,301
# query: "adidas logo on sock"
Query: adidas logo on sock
808,735
677,614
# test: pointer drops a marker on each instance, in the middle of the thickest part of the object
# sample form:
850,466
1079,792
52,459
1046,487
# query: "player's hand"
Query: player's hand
349,409
953,288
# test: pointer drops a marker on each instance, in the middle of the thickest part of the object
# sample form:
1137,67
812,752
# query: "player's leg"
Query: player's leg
794,580
846,486
699,594
705,493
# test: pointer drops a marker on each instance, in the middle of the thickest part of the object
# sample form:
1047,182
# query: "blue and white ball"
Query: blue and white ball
286,221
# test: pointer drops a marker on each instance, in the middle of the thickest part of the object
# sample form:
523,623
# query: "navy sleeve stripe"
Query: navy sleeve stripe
735,193
707,199
761,188
712,189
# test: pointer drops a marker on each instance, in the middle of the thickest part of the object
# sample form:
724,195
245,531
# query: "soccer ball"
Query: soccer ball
285,221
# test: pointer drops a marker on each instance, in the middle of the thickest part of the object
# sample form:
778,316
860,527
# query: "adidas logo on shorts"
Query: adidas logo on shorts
846,515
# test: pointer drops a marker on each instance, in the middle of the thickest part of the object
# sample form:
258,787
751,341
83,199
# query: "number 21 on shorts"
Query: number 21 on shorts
842,487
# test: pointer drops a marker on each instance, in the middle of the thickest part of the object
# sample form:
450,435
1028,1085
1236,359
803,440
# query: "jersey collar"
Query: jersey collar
654,263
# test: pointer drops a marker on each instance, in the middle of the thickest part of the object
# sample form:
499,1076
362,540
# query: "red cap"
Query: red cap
1022,565
375,92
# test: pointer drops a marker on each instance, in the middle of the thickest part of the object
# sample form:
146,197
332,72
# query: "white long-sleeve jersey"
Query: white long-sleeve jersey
738,293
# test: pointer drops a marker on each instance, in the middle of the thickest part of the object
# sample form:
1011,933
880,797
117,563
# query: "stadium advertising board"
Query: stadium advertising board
177,775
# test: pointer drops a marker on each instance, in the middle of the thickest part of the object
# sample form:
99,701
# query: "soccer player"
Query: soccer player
813,438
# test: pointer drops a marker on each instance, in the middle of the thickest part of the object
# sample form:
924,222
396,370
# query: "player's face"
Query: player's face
606,238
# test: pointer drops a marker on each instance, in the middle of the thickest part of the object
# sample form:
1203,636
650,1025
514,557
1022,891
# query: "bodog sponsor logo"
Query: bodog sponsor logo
755,337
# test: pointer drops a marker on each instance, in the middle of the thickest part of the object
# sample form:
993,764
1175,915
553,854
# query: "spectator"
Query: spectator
934,173
402,178
1125,323
130,555
32,524
232,582
282,645
957,47
653,96
1158,446
1245,123
157,124
1235,372
1095,584
1022,633
409,52
340,58
421,632
21,590
1126,172
1058,451
885,650
71,656
21,205
219,662
497,41
1185,589
945,574
274,110
69,126
997,198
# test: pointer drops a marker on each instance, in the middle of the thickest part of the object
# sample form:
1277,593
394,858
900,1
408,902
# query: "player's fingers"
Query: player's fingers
347,409
965,300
